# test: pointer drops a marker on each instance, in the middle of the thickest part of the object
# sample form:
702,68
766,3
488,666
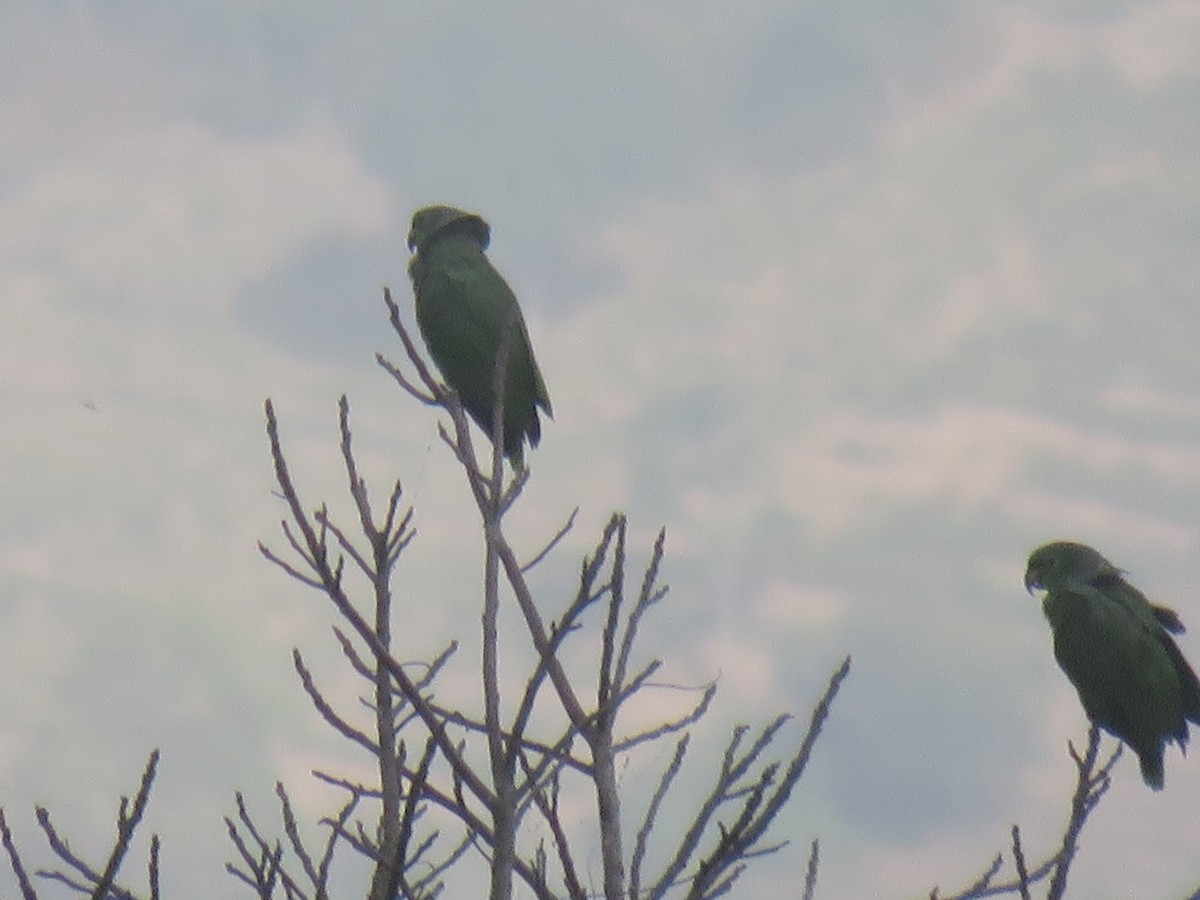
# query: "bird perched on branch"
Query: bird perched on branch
464,310
1117,649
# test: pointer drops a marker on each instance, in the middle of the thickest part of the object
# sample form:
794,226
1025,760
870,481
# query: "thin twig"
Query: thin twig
553,542
641,841
810,871
1019,862
14,859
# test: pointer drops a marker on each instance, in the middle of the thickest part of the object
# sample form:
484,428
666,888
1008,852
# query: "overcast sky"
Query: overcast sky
860,301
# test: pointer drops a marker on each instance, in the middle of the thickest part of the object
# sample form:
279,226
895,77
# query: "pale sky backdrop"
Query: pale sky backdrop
860,300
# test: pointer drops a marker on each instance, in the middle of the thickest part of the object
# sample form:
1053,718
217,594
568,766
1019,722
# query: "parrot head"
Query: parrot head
438,220
1060,562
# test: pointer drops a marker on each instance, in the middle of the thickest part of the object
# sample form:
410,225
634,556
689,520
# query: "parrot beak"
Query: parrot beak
1032,581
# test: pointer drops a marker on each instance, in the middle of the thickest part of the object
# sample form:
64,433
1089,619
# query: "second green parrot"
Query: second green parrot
463,308
1117,649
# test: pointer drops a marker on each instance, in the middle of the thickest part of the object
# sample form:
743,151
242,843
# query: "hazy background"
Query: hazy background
860,301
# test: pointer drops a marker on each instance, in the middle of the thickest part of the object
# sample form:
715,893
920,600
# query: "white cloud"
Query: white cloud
785,605
849,464
176,214
1155,42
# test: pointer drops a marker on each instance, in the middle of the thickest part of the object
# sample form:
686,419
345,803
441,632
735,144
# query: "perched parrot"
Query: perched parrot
1117,649
463,307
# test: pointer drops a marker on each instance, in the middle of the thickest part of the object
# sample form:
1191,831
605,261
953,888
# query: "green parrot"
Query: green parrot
463,307
1117,649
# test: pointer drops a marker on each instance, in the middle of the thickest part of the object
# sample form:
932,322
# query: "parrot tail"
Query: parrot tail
1151,764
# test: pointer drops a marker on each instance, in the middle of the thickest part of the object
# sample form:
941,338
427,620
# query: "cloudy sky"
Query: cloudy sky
860,301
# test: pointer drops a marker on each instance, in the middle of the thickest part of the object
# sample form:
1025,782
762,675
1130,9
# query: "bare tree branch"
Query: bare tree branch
1093,780
527,768
97,884
810,870
14,859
